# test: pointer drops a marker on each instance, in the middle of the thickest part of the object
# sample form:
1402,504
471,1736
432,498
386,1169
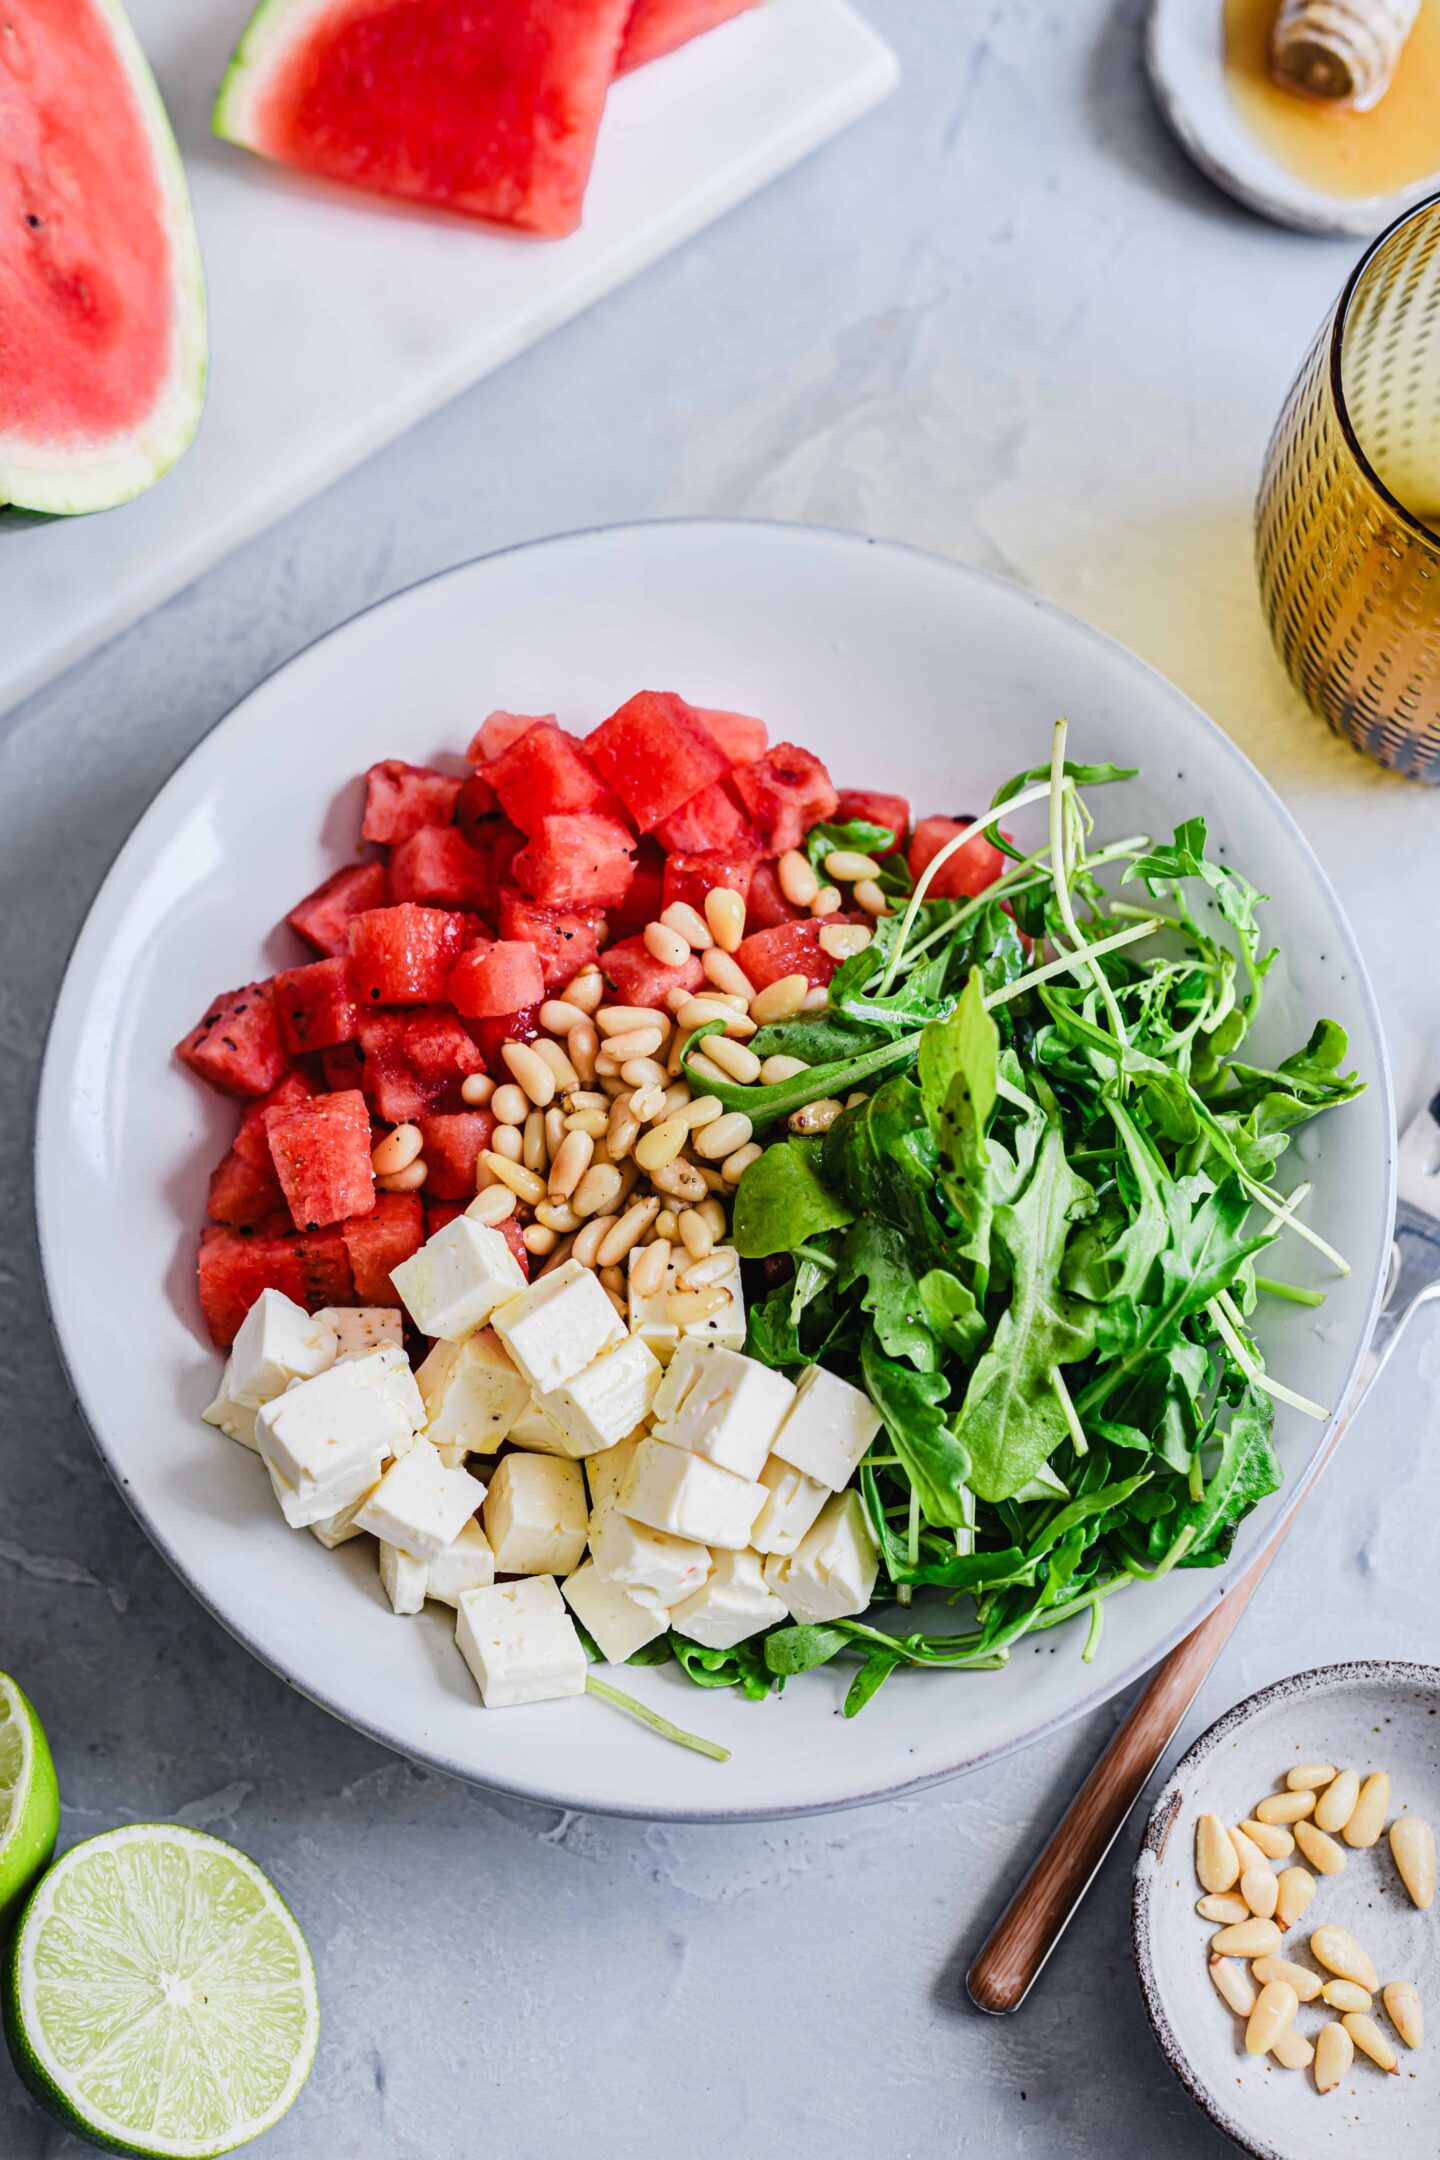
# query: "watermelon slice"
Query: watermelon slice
102,301
658,26
485,107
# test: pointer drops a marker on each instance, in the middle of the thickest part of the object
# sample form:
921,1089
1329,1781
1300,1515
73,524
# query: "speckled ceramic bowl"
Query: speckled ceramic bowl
1374,1715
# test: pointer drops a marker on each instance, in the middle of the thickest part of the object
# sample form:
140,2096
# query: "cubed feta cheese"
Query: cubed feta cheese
277,1342
648,1563
604,1473
616,1623
668,1488
831,1574
536,1431
795,1501
650,1316
305,1502
829,1427
722,1405
394,1378
402,1577
457,1279
420,1504
535,1515
520,1643
235,1419
472,1395
359,1328
322,1429
735,1603
339,1528
603,1404
559,1326
467,1563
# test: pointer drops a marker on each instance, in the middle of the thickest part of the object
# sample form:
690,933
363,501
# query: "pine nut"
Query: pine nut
647,1103
779,1000
677,997
1334,2053
649,1268
560,1255
582,1047
618,1302
613,1280
538,1240
828,901
714,1180
507,1140
1292,2050
397,1150
587,989
727,974
624,1019
593,1123
627,1232
557,1216
696,1234
644,1072
1323,1854
559,1015
1271,1838
587,1099
725,914
798,881
521,1181
1310,1776
735,1059
1404,2010
715,1141
1260,1891
734,1166
1222,1906
1336,1803
555,1131
1367,1818
562,1072
510,1104
1233,1985
698,1012
1216,1861
845,865
704,1068
1285,1807
1246,1938
667,1225
701,1274
494,1206
1305,1983
1347,1995
476,1090
639,1043
531,1071
687,922
410,1179
1368,2037
843,940
685,1307
679,1180
588,1238
1412,1842
533,1151
573,1160
816,999
1295,1888
713,1213
662,1143
1337,1950
776,1069
666,945
815,1116
622,1128
598,1191
1274,2009
869,897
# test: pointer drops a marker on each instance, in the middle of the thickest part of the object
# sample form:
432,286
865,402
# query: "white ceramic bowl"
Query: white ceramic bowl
903,671
1375,1715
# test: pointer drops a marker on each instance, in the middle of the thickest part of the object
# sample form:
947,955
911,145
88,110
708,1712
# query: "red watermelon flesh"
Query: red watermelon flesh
323,916
658,26
485,107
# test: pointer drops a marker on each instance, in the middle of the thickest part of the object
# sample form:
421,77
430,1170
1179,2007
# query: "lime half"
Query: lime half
29,1800
158,1997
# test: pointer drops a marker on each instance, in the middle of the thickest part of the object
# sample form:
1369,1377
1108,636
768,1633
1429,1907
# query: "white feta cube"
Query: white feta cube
831,1574
829,1427
306,1503
536,1431
721,1405
605,1472
735,1603
322,1429
420,1504
668,1488
277,1342
339,1528
603,1404
793,1504
402,1578
467,1563
395,1379
235,1419
359,1328
650,1315
617,1625
472,1395
561,1324
520,1643
457,1279
650,1564
535,1515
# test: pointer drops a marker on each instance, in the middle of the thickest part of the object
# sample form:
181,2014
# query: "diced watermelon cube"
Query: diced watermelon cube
785,793
643,901
493,979
476,807
514,1237
710,823
765,903
867,804
402,955
344,1066
251,1142
453,1141
656,753
378,1242
691,877
234,1268
640,979
545,774
314,1006
739,736
658,26
577,860
237,1045
498,730
439,867
789,949
440,1049
321,1151
440,1213
323,917
970,870
493,1030
400,798
245,1192
565,939
411,1059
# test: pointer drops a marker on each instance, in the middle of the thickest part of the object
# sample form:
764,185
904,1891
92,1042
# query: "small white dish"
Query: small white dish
1185,55
1373,1715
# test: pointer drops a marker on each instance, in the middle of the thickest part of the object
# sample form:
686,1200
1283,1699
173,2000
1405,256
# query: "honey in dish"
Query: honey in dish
1392,146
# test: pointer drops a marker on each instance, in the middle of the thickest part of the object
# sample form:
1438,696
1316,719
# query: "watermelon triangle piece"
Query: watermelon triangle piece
102,300
488,108
658,26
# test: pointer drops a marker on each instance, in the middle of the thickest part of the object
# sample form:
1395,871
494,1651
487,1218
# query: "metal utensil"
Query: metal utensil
1006,1968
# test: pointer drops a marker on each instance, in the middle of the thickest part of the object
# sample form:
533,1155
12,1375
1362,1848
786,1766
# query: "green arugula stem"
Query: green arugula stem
1072,1418
1061,792
618,1700
1292,1293
1071,963
1285,1215
1222,1311
937,863
1092,1639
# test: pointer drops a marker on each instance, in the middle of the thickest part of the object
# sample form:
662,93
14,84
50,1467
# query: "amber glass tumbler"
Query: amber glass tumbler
1347,524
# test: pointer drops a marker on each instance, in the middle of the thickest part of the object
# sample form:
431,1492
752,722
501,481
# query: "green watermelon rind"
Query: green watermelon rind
268,39
54,481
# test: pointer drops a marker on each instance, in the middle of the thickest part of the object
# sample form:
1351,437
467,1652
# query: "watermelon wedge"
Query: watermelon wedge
658,26
102,302
489,108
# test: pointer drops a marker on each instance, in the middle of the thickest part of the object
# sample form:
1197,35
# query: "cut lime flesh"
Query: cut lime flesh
29,1800
158,1996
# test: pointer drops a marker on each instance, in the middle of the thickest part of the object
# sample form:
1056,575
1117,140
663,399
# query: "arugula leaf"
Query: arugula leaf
1082,775
744,1667
951,1312
875,1254
881,1156
764,1105
782,1200
818,1038
858,837
773,1325
909,1403
1247,1472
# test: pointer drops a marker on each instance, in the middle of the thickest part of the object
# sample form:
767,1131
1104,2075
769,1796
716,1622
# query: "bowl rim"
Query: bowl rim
1295,1687
48,1163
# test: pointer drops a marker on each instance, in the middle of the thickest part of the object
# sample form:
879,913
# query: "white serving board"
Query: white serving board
337,322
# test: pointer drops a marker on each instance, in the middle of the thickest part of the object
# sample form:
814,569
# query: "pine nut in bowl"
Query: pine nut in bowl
1317,2045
